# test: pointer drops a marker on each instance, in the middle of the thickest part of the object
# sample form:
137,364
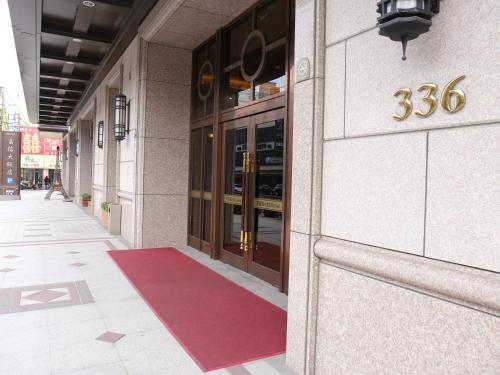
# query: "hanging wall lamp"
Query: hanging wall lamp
404,20
122,117
100,134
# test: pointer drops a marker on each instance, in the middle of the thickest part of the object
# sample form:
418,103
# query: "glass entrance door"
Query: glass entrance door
253,194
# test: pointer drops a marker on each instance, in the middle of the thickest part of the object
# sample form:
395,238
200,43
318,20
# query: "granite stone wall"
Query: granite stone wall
163,158
395,248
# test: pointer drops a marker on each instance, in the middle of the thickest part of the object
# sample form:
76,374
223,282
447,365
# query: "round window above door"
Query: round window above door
253,55
205,80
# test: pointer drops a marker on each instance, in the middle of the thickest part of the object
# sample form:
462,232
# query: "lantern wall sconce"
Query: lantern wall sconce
122,117
405,20
100,134
77,148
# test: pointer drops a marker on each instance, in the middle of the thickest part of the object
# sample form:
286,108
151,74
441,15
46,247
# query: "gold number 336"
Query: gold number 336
452,99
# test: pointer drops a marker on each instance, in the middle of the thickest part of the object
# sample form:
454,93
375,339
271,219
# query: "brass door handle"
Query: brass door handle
245,238
249,162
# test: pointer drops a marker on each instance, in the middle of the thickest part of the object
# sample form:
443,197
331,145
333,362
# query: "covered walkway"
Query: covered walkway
66,308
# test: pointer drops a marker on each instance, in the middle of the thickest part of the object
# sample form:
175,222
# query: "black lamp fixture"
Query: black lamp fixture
122,118
100,134
404,20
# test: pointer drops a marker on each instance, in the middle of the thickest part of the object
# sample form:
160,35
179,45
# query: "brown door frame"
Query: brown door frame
222,254
198,242
256,269
219,117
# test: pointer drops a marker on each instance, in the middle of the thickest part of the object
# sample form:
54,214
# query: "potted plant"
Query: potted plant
104,212
85,199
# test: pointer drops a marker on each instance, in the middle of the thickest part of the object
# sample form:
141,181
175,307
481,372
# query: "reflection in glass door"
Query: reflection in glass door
235,147
268,194
253,194
200,201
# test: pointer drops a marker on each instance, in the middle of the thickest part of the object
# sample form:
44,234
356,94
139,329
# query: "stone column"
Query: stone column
110,145
71,165
306,183
84,160
163,146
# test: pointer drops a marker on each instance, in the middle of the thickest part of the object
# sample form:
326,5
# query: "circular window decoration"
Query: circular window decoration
205,80
253,55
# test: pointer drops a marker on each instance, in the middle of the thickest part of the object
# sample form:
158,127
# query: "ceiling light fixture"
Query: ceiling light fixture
88,3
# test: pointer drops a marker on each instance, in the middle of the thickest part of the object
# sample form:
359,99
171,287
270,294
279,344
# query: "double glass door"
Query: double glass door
253,178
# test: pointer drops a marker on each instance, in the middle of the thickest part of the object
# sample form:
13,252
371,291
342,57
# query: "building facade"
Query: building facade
268,135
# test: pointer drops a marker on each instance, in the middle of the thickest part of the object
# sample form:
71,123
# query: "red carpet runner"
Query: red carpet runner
219,323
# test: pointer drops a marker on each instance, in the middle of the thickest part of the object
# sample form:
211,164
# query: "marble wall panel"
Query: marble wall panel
166,166
127,176
164,220
298,290
348,18
463,208
302,157
366,326
375,71
169,64
127,147
167,110
334,91
230,8
127,220
374,191
305,37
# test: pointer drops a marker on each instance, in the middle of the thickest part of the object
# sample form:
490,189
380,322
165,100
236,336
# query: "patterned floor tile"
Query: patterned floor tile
36,297
111,337
45,295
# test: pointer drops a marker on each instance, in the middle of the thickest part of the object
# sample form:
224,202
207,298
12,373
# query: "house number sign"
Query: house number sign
452,100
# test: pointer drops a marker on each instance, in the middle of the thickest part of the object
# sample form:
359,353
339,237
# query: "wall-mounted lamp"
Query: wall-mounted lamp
100,134
77,147
122,117
404,20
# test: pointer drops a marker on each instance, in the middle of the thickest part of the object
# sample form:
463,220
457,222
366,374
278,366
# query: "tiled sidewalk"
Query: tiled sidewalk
65,307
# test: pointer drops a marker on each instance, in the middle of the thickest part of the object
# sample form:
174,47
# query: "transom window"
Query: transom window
253,60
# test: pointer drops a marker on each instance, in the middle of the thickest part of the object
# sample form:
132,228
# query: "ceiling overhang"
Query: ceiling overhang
167,25
65,49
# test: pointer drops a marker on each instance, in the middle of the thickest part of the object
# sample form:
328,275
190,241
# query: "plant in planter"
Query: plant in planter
85,199
105,212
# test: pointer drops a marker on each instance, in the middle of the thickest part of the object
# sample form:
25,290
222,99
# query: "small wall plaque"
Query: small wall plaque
303,69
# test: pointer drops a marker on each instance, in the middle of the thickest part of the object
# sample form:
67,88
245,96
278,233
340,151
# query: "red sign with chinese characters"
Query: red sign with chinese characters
33,144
